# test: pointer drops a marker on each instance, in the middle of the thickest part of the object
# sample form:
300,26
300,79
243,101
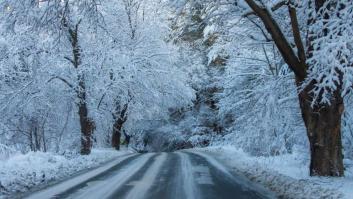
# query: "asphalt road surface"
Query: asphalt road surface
178,175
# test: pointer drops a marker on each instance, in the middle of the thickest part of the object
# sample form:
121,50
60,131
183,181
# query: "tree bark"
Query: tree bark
116,134
87,124
127,139
323,124
323,121
120,117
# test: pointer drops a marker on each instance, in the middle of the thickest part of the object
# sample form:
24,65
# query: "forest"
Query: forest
265,83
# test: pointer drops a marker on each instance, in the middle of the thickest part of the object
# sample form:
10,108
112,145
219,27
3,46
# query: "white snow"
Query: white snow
62,187
210,29
240,179
22,172
189,187
6,152
286,175
104,189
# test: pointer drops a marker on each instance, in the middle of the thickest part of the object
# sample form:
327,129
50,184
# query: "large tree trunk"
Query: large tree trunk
323,121
323,124
86,134
86,123
87,126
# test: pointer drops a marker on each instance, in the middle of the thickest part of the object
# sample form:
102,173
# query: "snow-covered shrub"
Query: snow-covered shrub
6,152
259,105
266,113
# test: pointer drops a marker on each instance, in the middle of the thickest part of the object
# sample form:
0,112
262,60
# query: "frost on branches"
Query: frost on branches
69,65
332,56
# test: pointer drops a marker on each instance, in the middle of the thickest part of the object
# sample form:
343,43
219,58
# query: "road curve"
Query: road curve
178,175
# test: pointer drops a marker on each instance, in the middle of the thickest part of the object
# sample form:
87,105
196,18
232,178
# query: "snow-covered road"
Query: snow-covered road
178,175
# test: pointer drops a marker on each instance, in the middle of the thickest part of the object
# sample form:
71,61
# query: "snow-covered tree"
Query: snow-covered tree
323,80
72,65
312,39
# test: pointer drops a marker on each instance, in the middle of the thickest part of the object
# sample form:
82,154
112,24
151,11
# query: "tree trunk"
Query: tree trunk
85,130
127,139
323,124
323,121
87,125
120,117
116,134
36,136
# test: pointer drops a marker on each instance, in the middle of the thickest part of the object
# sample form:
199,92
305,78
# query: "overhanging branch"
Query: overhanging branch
62,79
274,8
284,47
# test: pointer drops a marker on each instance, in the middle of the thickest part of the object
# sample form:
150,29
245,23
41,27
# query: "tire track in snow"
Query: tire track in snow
190,189
144,184
61,187
104,189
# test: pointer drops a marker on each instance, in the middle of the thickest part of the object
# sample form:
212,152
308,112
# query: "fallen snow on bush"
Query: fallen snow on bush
22,172
286,175
6,152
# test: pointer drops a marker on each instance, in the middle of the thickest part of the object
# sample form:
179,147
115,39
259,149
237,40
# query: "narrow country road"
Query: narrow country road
178,175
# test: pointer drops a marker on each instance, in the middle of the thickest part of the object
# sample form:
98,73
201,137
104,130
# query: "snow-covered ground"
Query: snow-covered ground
287,175
22,172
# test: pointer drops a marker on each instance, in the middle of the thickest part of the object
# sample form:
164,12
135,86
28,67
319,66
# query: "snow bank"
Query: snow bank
24,171
286,175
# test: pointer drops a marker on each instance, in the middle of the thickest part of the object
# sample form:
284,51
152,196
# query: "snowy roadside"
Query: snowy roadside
22,172
286,175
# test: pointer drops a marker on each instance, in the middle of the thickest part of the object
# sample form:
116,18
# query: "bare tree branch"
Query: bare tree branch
283,45
62,79
274,8
296,33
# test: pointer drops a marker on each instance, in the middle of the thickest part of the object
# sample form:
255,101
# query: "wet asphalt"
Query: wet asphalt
177,175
